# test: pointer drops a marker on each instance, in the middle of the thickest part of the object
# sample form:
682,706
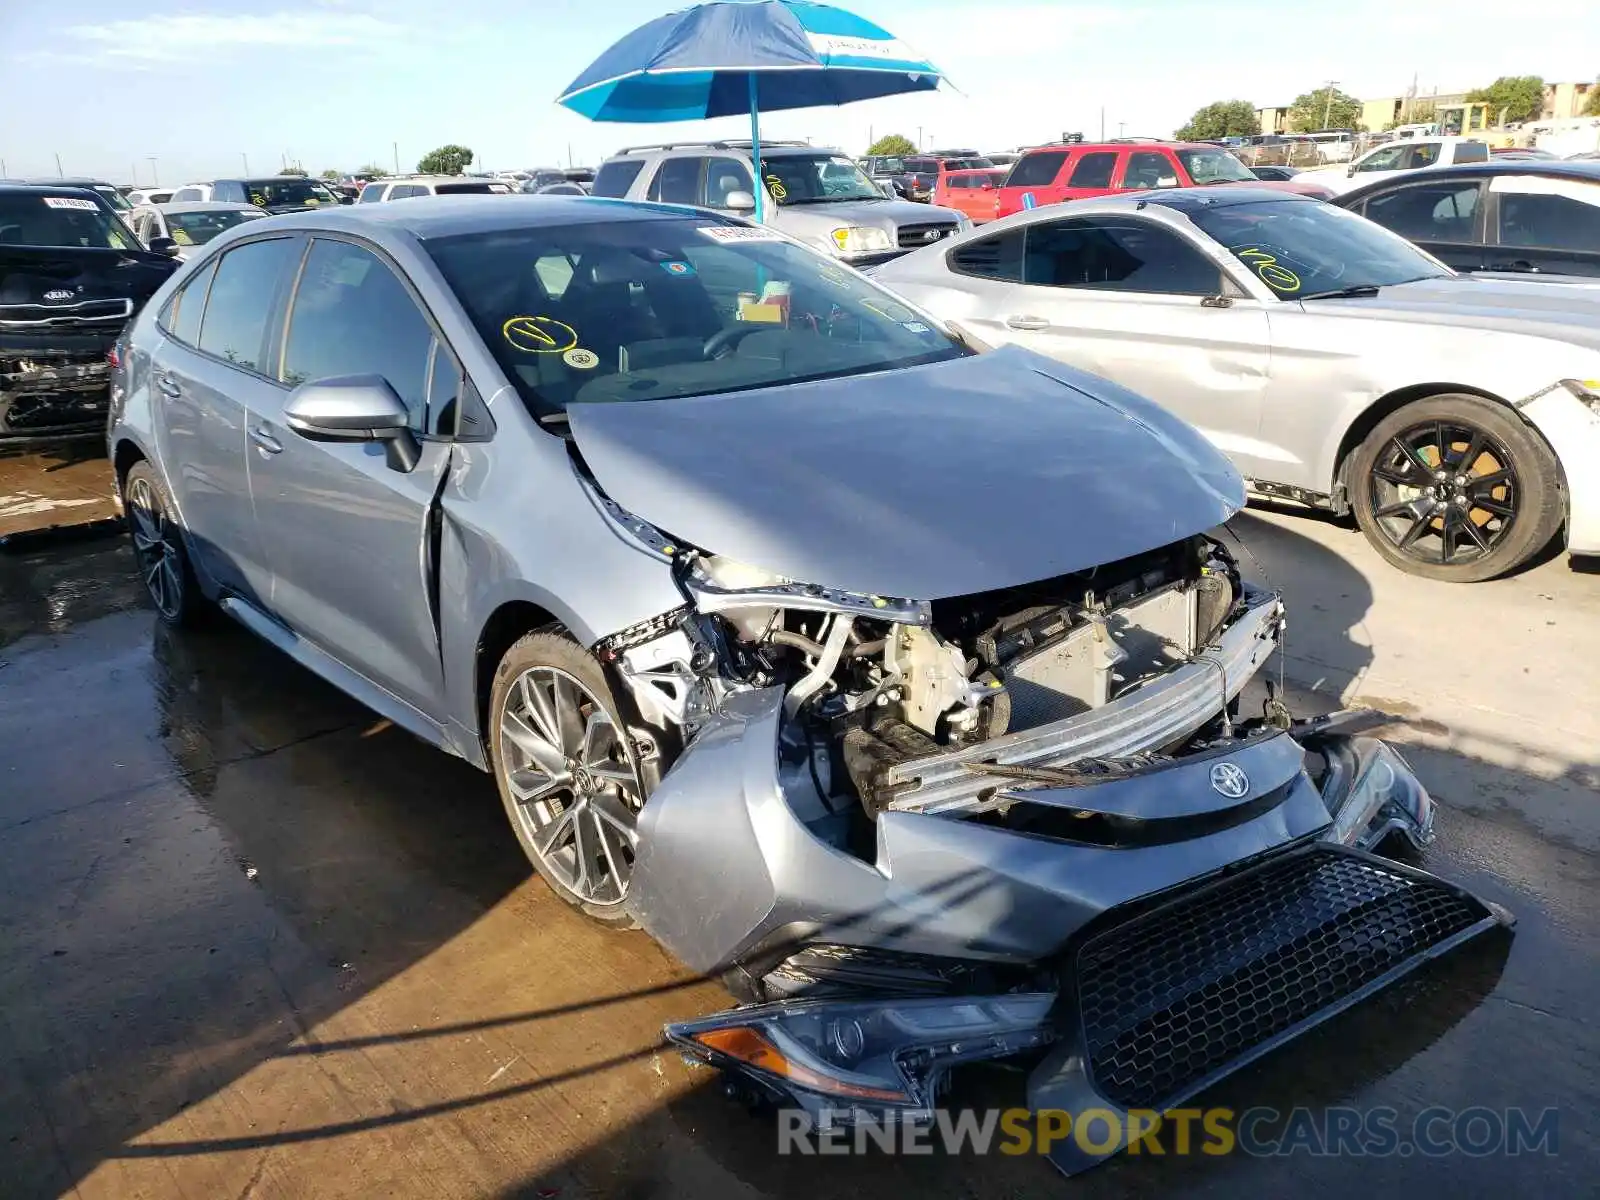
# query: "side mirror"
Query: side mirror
740,202
1351,173
987,185
354,408
346,198
164,245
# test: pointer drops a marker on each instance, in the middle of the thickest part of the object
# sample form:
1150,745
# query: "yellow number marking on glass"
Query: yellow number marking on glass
1272,273
775,186
539,335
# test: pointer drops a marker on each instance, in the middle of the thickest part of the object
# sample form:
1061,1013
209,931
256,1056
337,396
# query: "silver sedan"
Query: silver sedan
1336,364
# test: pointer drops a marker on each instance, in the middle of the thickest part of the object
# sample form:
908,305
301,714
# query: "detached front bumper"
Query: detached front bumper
1158,999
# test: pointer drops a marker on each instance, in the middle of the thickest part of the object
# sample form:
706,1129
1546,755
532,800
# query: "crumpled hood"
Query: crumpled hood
961,476
1536,309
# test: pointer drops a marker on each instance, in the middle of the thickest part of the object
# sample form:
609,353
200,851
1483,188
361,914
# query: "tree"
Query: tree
446,160
892,144
1224,118
1324,108
1591,107
1511,98
372,169
332,173
297,170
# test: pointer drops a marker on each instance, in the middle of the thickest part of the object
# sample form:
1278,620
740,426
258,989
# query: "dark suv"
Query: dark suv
71,274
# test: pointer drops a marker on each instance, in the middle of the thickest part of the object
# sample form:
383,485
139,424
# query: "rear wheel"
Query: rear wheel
567,773
158,547
1456,488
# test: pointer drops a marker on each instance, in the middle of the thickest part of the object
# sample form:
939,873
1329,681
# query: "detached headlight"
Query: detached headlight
1587,390
859,239
1385,797
883,1052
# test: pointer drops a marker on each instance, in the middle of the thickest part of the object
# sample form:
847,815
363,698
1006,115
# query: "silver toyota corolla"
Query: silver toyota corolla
842,659
1336,364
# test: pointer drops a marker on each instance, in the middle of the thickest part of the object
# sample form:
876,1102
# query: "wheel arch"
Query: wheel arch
1367,420
123,456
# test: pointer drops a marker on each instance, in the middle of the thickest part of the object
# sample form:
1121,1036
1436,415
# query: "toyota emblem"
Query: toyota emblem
1230,780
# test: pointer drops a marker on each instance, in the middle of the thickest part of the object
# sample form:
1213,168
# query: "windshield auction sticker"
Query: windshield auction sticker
740,233
539,335
70,202
1273,273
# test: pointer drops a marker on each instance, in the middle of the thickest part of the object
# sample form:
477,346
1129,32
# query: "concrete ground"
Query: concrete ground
62,486
254,942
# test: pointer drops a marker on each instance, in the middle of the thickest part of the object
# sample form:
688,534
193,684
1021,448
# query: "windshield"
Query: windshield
113,197
1300,248
816,179
967,164
27,219
655,309
1213,166
198,228
281,193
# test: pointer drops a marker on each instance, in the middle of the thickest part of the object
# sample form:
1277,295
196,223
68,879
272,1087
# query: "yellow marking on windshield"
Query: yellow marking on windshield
1271,272
539,335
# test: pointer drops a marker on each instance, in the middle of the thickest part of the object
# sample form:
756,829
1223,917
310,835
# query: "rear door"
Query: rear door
1145,170
1138,303
1445,217
210,371
1034,177
348,537
1541,225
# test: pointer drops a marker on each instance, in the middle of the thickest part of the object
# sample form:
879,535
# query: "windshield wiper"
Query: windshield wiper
1355,292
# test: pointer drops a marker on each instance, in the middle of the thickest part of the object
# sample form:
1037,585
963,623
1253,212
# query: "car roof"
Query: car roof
768,150
1123,145
447,216
70,181
53,188
436,179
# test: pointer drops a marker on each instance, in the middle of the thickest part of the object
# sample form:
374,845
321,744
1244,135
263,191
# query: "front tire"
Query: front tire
159,549
1456,488
567,773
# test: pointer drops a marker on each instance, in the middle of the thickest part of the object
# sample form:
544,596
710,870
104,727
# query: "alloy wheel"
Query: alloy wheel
1444,492
570,770
156,548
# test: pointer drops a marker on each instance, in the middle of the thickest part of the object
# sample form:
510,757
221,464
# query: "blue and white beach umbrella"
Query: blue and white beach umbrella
735,56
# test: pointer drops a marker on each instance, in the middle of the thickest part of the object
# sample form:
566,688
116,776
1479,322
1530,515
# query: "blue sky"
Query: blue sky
200,85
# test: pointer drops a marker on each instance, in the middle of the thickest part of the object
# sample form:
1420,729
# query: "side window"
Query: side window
998,257
231,192
404,191
352,316
1150,169
615,178
1093,170
242,301
1545,221
1121,256
1037,170
445,382
182,317
372,193
724,176
185,194
1471,152
1387,159
1437,212
677,181
1422,155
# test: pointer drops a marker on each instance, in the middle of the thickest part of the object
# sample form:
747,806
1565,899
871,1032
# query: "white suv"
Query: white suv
402,187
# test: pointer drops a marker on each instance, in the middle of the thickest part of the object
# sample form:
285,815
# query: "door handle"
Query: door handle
168,386
264,441
1027,323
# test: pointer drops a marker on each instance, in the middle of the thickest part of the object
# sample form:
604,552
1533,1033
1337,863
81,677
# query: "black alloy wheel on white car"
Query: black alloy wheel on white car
567,773
1456,488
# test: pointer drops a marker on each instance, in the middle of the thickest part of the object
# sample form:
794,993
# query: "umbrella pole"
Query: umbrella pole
755,148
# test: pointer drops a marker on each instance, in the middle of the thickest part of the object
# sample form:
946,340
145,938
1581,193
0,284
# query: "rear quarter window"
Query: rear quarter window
1037,170
615,178
1472,152
998,257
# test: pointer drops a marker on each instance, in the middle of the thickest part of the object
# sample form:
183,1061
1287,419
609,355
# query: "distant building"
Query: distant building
1560,100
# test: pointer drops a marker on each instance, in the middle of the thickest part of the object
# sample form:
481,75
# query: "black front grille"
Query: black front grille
912,236
92,313
1175,997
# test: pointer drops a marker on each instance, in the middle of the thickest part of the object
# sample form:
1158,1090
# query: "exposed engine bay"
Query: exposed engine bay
895,701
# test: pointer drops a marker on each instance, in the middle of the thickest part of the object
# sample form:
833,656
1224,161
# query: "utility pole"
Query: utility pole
1102,122
154,178
60,174
396,146
1121,125
245,159
919,138
1327,109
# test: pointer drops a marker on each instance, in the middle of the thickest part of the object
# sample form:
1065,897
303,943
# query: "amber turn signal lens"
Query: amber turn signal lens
748,1046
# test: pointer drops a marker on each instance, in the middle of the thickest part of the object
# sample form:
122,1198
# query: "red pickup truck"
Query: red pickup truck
1052,174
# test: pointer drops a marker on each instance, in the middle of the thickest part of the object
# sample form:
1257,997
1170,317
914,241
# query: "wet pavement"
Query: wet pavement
59,487
254,942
